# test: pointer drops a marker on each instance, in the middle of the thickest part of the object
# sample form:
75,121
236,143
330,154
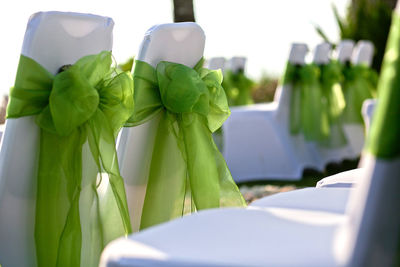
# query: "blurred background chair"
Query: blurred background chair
256,139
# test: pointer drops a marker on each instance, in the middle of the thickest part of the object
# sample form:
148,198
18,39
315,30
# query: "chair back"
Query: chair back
175,42
344,51
322,53
216,63
236,64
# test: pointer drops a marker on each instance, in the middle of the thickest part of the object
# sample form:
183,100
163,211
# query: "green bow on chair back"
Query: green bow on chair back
359,84
187,172
80,109
307,112
333,102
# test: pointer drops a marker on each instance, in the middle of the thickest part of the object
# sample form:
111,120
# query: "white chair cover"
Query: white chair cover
53,39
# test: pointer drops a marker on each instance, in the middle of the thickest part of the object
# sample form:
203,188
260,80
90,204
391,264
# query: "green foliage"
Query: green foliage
365,20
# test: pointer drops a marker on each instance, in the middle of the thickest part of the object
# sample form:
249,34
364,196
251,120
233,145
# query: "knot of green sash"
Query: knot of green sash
237,88
87,102
187,172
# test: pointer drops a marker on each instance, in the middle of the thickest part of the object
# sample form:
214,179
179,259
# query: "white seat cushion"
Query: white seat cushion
313,199
232,237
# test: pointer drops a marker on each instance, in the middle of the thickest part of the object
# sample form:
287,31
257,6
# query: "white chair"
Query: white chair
331,193
355,133
257,142
53,39
216,63
176,42
367,235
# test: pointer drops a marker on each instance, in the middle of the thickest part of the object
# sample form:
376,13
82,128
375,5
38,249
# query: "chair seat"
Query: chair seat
257,145
345,179
313,199
232,237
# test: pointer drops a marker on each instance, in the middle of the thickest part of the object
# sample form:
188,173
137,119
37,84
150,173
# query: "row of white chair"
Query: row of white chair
257,143
366,233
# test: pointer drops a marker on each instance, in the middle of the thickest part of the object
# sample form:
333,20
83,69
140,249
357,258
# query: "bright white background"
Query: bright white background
261,30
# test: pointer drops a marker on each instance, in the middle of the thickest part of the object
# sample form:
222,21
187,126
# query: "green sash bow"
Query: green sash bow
383,138
333,102
187,171
307,113
359,84
87,102
314,118
292,76
237,88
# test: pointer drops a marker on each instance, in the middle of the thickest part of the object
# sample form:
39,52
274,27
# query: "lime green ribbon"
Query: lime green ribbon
237,88
191,105
87,102
307,112
333,102
314,118
384,137
359,84
291,76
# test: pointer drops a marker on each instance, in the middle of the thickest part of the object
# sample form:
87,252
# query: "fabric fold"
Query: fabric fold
187,172
333,102
385,130
307,112
359,84
84,105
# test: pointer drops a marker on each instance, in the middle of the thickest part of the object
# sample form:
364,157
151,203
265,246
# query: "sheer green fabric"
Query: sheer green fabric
333,102
359,84
237,88
79,112
307,111
191,105
292,77
314,117
383,140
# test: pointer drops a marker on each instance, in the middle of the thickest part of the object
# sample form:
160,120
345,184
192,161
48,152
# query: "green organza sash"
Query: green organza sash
383,140
307,112
237,88
359,84
187,171
333,102
314,118
292,77
79,111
